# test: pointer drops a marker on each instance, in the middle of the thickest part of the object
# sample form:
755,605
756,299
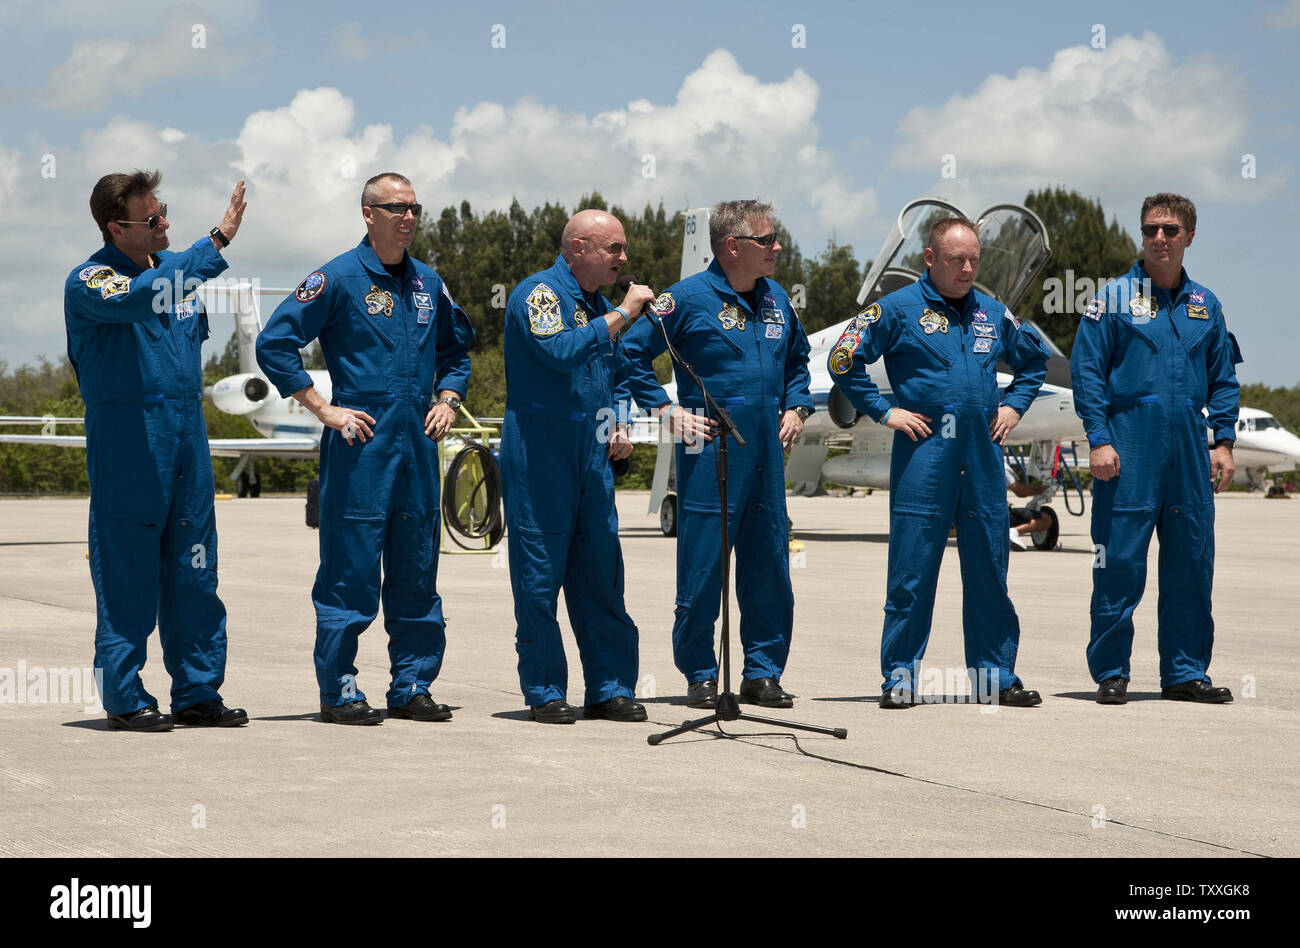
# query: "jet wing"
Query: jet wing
308,448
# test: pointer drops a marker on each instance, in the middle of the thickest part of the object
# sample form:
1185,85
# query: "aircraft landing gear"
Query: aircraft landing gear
668,515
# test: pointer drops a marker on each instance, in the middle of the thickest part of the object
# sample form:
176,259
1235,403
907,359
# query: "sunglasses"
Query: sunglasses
1150,230
152,222
766,240
614,249
400,209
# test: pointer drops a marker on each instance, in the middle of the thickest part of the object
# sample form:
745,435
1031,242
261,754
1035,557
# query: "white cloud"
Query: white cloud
186,40
727,134
1110,122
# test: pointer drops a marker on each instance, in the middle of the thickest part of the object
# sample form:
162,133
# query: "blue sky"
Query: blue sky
1116,100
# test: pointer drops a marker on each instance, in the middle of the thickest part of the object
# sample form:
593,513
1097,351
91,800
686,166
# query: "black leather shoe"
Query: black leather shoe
765,692
558,711
211,714
620,708
702,694
1201,691
1113,691
421,708
896,698
1018,697
146,719
354,712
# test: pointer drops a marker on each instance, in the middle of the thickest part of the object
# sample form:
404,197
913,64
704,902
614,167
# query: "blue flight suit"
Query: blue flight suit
133,340
942,362
562,374
1145,362
756,366
390,346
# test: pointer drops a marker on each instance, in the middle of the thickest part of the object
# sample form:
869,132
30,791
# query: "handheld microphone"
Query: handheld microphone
625,280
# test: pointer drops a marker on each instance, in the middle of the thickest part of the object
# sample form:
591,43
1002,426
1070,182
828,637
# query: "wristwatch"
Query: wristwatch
219,237
451,401
802,412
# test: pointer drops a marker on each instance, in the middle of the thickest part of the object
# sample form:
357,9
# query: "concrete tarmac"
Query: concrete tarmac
1069,778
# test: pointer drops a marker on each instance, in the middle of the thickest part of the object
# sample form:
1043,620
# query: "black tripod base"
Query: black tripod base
729,710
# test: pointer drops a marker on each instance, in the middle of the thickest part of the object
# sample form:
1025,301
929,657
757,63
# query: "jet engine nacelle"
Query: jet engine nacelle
841,410
240,394
858,470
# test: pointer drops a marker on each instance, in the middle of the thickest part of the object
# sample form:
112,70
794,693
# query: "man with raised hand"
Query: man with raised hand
135,325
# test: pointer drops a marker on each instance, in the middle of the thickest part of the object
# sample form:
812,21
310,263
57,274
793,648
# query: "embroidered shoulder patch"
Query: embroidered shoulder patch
96,276
310,288
113,286
842,355
544,317
1095,309
1011,316
580,318
665,304
732,317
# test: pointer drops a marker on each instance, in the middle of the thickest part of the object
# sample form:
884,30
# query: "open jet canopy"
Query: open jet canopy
1014,248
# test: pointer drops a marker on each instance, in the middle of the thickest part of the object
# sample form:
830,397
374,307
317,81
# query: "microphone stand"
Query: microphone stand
728,706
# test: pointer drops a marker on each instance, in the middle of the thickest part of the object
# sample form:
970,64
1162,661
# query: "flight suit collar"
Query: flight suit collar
716,277
370,260
932,294
110,256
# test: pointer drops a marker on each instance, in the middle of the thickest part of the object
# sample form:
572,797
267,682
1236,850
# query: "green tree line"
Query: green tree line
481,255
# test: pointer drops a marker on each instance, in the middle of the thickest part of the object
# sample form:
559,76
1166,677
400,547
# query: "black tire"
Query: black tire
471,497
668,515
241,485
1048,539
313,504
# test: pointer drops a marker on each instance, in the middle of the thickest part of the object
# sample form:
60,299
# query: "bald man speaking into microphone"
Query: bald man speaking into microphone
564,374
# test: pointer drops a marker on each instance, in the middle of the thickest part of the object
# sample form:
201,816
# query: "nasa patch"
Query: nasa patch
981,316
310,288
933,322
422,300
665,304
422,316
544,317
379,301
1198,312
842,355
774,331
983,345
1197,297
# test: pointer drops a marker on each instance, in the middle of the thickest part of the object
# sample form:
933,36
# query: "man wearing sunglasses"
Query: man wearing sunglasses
736,326
397,349
1151,352
564,371
135,324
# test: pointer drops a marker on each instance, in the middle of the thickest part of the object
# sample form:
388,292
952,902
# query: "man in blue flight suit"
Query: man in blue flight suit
941,340
736,327
391,336
1151,351
564,365
135,325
